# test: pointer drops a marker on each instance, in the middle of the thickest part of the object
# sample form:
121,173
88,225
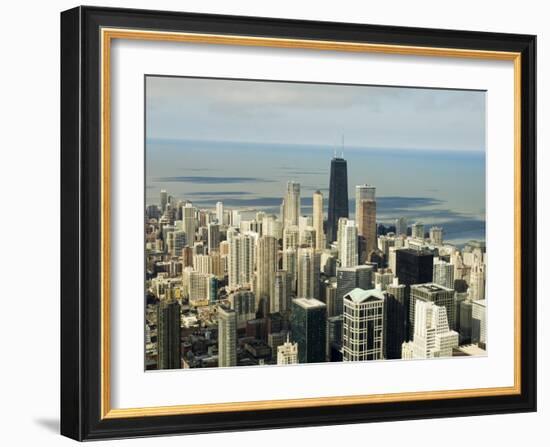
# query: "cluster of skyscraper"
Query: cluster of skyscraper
226,289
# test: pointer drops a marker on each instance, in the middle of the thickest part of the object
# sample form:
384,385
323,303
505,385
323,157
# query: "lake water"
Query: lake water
441,188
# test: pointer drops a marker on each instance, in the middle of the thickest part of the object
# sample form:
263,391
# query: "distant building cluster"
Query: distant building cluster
226,289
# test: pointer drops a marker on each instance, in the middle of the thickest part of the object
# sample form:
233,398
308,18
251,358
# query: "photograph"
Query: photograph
297,222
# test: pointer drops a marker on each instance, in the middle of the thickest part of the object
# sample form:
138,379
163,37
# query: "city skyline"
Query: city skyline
319,267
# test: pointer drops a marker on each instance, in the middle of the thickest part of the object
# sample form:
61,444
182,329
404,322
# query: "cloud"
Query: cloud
309,113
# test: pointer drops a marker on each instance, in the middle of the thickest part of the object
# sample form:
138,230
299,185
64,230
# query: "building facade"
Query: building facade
432,336
444,274
168,335
309,267
349,256
308,328
287,354
227,337
439,295
365,215
338,196
396,319
363,325
318,220
292,203
266,264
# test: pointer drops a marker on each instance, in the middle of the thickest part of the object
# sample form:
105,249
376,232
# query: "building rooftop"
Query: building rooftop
431,287
416,252
470,350
358,295
309,303
355,268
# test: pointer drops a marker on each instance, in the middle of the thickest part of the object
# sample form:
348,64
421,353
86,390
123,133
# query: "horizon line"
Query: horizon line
320,146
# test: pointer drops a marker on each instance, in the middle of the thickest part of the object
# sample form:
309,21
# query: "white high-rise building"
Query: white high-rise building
220,213
385,242
292,203
308,237
280,299
213,237
235,218
309,269
474,252
444,273
462,271
233,258
267,261
227,337
349,256
439,295
200,288
272,227
477,282
290,265
392,259
418,230
202,264
291,237
304,222
287,354
188,213
318,218
432,336
363,326
436,235
479,322
401,226
241,259
342,222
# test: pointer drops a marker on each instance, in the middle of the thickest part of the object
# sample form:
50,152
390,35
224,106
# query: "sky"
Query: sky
315,114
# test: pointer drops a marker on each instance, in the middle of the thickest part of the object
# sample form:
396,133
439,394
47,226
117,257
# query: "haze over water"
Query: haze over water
437,187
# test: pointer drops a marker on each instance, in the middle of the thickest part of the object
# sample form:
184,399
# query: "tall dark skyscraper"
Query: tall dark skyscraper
168,324
396,320
308,324
413,267
338,196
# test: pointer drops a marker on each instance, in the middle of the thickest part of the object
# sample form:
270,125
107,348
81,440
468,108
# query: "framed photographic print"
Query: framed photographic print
275,223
